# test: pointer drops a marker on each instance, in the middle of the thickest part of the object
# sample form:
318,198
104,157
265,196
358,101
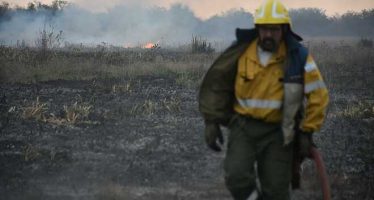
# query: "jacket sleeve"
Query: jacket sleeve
316,97
216,95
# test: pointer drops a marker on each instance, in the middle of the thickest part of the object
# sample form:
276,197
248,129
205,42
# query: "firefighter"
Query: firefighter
267,89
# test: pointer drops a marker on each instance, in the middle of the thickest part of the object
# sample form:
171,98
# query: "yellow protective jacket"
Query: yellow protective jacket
233,85
259,89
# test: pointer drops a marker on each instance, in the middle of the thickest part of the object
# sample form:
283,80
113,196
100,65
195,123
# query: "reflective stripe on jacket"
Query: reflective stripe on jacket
316,97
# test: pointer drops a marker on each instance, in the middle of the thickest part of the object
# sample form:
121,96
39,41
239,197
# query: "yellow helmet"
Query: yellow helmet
272,12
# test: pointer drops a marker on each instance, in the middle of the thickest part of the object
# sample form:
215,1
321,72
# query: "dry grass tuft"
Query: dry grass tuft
359,110
35,111
172,105
30,152
118,88
76,112
148,107
55,120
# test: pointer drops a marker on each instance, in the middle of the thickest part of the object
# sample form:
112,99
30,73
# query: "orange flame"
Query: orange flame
149,45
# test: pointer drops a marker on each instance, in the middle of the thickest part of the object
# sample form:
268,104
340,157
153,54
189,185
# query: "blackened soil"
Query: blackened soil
142,138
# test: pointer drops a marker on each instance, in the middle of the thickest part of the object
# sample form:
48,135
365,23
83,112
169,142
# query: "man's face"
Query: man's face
270,36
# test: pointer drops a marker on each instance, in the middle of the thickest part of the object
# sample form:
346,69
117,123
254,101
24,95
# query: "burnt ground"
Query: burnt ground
142,138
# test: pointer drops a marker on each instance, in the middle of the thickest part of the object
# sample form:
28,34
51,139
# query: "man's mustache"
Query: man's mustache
269,40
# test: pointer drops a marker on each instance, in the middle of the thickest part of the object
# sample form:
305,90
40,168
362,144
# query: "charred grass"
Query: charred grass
128,118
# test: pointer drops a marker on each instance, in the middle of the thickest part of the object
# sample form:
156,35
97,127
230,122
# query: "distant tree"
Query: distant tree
31,6
4,11
183,16
4,7
310,21
359,24
225,24
37,6
58,5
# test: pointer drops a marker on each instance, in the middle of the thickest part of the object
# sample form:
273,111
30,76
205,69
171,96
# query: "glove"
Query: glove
305,144
212,133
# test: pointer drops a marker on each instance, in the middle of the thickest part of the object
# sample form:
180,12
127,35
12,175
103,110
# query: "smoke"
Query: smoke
136,24
124,25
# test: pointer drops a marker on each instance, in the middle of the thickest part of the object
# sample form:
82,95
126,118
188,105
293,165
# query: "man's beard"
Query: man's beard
268,44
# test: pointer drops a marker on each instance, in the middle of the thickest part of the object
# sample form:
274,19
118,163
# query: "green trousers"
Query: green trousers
253,141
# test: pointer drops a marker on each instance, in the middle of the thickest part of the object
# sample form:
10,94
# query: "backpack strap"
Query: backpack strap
303,57
296,61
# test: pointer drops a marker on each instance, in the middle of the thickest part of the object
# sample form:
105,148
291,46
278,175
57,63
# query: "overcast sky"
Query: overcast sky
207,8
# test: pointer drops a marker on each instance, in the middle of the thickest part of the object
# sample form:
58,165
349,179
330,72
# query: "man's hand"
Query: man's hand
212,133
305,144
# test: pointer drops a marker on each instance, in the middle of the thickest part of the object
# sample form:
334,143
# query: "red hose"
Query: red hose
321,170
